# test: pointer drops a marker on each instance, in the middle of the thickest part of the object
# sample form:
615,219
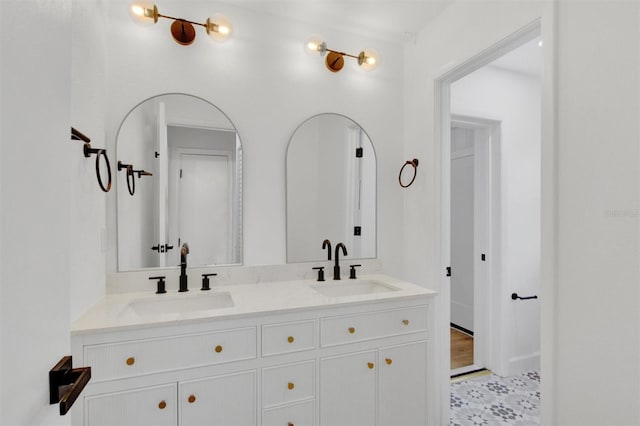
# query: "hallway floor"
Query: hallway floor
461,349
492,400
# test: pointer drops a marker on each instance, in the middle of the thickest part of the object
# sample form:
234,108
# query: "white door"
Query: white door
228,400
348,390
462,227
204,208
402,385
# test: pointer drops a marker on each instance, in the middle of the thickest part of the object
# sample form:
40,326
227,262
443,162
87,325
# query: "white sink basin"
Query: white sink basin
179,304
352,288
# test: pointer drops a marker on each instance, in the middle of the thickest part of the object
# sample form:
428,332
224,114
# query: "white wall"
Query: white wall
589,308
267,85
88,235
598,319
37,161
514,100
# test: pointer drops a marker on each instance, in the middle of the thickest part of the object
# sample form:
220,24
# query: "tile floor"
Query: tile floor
492,400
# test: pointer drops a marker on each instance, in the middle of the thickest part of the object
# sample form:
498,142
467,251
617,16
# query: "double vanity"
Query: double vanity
265,345
295,352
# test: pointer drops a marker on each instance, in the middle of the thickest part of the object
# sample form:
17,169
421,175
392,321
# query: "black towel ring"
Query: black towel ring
131,179
414,164
103,153
99,153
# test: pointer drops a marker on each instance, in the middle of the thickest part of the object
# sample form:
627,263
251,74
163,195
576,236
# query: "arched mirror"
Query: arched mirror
331,189
191,191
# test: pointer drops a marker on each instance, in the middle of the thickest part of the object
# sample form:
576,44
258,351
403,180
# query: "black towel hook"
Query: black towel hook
514,296
414,164
88,151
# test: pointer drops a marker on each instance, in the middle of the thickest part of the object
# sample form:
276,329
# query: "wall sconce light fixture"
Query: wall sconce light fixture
218,27
368,59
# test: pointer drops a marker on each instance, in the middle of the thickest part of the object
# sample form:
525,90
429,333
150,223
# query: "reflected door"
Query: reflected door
161,183
204,212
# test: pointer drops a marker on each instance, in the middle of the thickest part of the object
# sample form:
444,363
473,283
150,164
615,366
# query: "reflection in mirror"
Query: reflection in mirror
331,189
194,194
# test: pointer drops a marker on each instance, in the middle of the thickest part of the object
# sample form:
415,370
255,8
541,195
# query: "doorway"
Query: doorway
491,214
475,194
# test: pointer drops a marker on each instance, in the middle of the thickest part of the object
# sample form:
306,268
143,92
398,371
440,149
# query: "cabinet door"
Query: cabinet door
154,406
219,401
402,385
348,390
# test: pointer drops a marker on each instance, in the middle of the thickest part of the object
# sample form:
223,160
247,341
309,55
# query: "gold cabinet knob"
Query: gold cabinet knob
290,339
370,365
218,349
389,361
290,386
352,330
405,322
191,399
162,405
131,360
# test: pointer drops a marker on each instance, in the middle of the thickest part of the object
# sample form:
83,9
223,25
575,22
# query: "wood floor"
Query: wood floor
461,349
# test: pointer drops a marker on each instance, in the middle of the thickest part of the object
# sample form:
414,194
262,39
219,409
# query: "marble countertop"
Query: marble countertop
124,311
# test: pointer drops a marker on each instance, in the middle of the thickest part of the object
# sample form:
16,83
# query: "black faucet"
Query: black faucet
184,251
336,268
326,244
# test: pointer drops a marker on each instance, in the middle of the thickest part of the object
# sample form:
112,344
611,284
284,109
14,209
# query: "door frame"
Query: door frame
487,236
549,173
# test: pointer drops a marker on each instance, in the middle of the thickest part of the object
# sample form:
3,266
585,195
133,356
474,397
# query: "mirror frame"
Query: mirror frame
117,228
286,189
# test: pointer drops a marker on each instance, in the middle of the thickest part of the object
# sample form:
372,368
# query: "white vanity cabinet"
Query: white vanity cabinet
352,364
202,373
386,385
390,382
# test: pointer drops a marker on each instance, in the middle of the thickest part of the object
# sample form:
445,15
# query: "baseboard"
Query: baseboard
464,330
521,364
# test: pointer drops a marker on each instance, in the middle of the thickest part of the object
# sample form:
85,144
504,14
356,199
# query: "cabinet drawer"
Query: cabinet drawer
290,415
372,325
288,337
134,358
288,383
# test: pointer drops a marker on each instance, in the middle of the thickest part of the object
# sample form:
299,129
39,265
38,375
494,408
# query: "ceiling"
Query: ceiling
526,59
382,19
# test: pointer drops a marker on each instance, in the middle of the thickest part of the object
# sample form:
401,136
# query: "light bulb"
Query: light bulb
143,13
368,59
219,27
314,45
